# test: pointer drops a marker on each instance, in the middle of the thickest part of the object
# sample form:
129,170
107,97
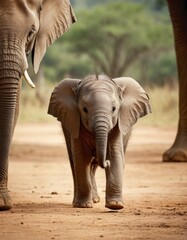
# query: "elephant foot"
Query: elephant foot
114,205
5,200
96,199
82,205
175,155
178,152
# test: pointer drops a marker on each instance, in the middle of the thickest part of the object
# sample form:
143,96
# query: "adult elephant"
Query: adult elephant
178,13
26,26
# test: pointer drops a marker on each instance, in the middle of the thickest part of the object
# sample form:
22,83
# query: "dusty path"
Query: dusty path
40,183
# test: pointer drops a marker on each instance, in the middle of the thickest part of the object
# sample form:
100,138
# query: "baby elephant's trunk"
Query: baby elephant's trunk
101,138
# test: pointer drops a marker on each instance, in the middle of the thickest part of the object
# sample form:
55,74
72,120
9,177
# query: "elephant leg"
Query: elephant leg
70,154
178,12
178,151
5,199
93,168
83,184
114,178
83,188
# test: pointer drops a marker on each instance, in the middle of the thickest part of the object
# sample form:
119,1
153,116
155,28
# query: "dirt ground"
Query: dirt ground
40,184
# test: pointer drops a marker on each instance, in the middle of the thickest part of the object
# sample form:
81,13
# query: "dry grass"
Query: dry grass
34,106
164,102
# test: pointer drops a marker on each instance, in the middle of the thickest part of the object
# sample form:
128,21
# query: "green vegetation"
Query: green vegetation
122,35
119,38
154,4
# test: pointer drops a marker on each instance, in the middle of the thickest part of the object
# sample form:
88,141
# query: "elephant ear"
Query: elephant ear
135,103
63,105
56,17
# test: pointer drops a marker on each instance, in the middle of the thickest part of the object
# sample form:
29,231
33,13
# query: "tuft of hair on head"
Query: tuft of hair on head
94,77
103,77
91,77
96,72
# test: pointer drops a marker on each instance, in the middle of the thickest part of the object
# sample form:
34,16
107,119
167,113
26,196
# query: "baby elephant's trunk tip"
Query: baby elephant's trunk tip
101,138
106,164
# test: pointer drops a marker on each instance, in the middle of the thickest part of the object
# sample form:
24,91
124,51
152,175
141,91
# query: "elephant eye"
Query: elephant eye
85,109
113,109
30,42
31,33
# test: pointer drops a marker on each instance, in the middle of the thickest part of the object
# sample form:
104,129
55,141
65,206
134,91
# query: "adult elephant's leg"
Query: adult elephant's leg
11,65
178,12
7,117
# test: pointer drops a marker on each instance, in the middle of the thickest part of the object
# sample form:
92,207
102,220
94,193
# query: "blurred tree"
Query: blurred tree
61,62
115,35
73,2
160,4
164,70
153,4
91,3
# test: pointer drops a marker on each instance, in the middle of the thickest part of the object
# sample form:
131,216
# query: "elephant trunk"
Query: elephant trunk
11,66
101,138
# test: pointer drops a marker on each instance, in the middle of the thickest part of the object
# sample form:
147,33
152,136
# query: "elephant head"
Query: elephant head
100,105
26,26
31,26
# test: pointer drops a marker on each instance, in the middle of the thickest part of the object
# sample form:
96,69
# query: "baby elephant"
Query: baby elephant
97,115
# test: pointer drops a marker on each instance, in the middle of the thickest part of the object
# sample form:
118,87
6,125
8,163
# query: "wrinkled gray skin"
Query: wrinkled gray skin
97,116
26,26
178,13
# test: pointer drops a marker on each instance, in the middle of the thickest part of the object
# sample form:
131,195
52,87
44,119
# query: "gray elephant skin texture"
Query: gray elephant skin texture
97,115
26,26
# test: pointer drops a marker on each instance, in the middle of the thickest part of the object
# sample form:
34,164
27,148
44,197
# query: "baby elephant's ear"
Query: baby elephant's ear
63,106
135,103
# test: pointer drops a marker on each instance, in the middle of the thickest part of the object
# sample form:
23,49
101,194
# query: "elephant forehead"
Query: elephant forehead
100,97
99,86
98,92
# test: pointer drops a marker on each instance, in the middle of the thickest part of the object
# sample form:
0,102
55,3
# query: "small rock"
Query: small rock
54,193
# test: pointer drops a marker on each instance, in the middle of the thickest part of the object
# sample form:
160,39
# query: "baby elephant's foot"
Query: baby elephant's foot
96,199
83,204
114,205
